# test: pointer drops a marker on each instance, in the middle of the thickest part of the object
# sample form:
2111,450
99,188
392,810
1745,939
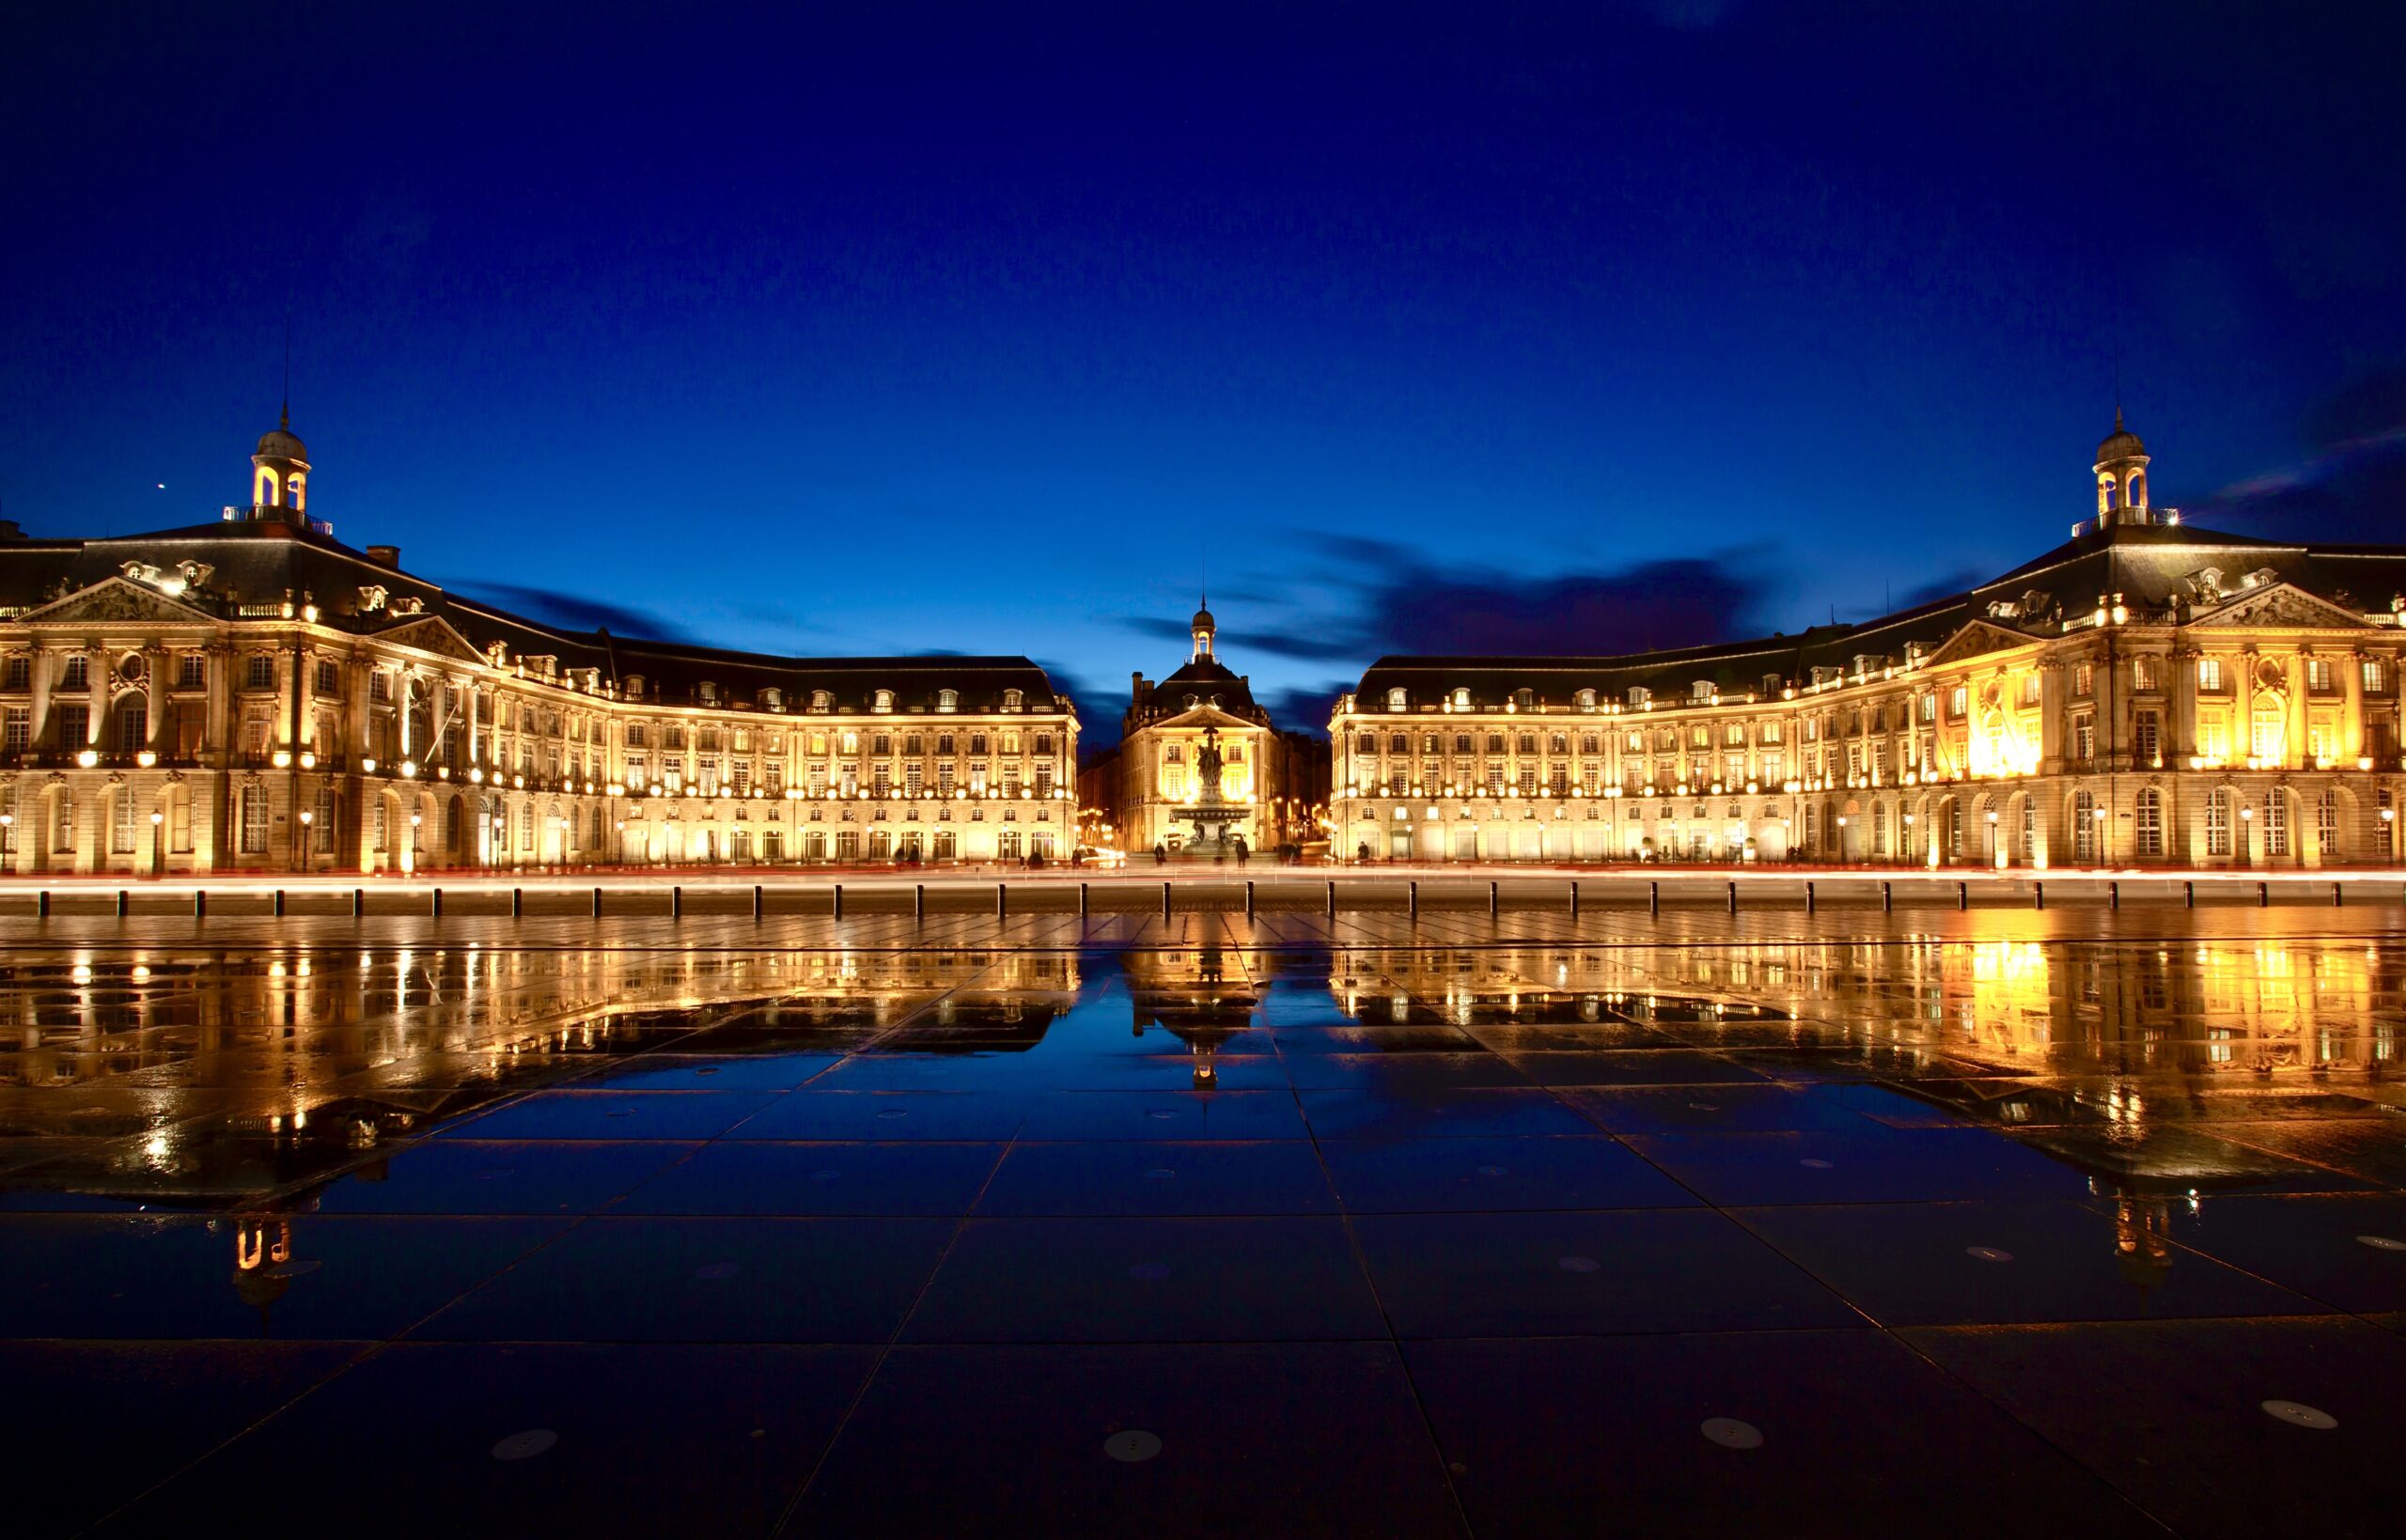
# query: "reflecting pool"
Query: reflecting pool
1047,1226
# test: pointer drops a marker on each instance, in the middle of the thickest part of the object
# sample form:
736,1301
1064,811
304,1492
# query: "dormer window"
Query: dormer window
1586,699
708,693
947,700
821,700
1011,699
882,701
1525,698
1700,692
1640,695
773,698
1461,700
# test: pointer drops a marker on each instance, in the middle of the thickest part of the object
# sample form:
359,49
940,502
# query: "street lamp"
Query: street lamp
158,836
2388,832
300,847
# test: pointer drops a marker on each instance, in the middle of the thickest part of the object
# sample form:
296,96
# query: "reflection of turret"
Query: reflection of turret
263,1264
1192,996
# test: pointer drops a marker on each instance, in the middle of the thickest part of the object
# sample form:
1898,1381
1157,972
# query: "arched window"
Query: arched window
132,723
2218,821
2327,826
2084,827
2149,811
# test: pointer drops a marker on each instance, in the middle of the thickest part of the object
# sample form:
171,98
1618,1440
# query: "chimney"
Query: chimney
386,556
8,530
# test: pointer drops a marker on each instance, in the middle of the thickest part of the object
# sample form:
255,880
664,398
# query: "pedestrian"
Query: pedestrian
1161,856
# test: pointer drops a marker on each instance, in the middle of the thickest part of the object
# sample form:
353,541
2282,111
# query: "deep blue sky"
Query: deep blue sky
873,327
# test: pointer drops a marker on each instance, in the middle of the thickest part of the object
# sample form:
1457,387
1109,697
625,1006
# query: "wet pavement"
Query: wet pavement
1691,1224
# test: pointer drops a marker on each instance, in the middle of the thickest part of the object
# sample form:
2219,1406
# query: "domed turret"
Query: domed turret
2121,478
1205,628
280,470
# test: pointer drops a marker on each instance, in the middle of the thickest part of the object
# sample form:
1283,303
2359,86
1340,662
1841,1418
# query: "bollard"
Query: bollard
1654,898
1084,906
838,911
2335,900
1574,899
1412,898
1963,895
1248,900
1002,899
596,903
2188,893
755,903
1887,898
199,904
1331,898
918,900
42,903
2263,896
1733,897
2038,895
518,903
676,903
437,910
1165,900
2113,895
124,903
1493,899
279,903
359,903
1808,898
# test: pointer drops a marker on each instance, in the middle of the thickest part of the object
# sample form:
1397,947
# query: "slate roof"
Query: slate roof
261,562
2150,566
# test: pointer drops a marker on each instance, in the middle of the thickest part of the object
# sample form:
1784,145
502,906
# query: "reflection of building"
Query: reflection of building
250,693
1202,998
2146,693
1162,781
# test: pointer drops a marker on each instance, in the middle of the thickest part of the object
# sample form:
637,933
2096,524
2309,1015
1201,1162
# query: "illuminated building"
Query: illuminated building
253,695
2148,693
1159,780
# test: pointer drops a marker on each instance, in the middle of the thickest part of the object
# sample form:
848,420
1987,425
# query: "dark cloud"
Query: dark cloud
1304,708
1099,709
572,613
1155,625
1379,598
2352,482
1946,585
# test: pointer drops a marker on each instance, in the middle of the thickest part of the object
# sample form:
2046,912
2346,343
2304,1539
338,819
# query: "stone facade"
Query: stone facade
2148,693
251,694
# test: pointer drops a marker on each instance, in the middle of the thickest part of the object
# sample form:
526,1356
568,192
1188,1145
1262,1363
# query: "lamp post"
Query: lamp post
158,842
2389,835
409,849
301,846
1997,849
2096,816
7,837
2246,843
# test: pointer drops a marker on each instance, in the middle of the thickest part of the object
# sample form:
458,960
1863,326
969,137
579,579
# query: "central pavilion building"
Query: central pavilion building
2147,694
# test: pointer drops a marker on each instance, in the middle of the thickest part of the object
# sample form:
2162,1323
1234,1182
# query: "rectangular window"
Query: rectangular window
260,673
78,674
18,732
2210,674
179,824
2218,821
19,675
2146,740
191,722
2151,823
62,826
328,680
74,726
121,822
191,671
2376,677
2083,679
255,815
2276,824
2084,737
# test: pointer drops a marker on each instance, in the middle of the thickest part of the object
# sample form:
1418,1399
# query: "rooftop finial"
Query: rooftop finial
284,418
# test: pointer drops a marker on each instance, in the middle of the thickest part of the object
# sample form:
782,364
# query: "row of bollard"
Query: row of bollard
42,899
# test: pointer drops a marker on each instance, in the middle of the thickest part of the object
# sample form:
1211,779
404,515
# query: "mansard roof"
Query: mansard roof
2160,570
257,562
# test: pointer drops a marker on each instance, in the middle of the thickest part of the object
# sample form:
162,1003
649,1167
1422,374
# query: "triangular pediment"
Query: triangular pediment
436,636
116,600
1196,717
2281,604
1977,638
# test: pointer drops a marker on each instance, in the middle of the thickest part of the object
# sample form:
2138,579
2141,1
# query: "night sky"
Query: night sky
871,328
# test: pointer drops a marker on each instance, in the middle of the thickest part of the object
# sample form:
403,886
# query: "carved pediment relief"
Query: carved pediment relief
2280,605
436,636
114,600
1975,638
